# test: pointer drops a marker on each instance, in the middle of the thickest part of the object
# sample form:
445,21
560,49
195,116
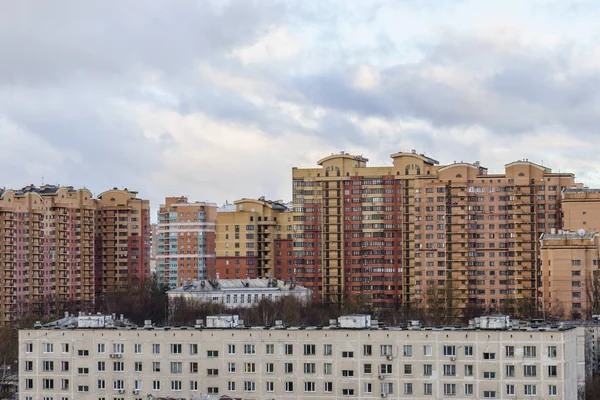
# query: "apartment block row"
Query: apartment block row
99,358
59,245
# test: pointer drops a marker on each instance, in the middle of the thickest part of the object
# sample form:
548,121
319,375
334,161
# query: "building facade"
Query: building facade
416,230
255,241
100,358
569,285
185,241
240,293
122,241
46,250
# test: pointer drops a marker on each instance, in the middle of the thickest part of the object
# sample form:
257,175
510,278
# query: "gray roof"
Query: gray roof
567,235
208,286
581,190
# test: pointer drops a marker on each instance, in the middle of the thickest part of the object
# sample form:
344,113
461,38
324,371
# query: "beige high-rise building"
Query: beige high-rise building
96,357
46,250
122,245
255,241
581,209
185,241
415,230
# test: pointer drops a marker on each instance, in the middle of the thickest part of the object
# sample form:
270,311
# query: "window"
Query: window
65,347
83,370
552,390
231,367
450,389
468,370
310,368
193,367
80,388
231,349
193,386
137,385
489,356
28,383
530,390
269,368
385,349
510,390
156,348
309,387
489,375
289,349
386,368
407,369
407,350
469,388
327,349
449,370
510,370
489,394
29,365
427,388
137,366
328,387
529,351
270,349
176,367
509,351
118,384
367,350
47,365
469,351
449,350
328,368
347,392
387,387
289,386
83,353
250,367
193,348
231,386
212,390
212,353
137,348
155,385
368,387
101,384
427,369
310,350
213,372
347,372
552,370
175,348
288,368
347,354
249,349
28,347
176,386
529,370
119,348
427,350
156,366
47,347
552,351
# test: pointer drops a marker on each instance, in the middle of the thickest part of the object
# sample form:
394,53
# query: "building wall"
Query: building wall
122,241
46,254
254,241
186,241
393,361
581,209
401,234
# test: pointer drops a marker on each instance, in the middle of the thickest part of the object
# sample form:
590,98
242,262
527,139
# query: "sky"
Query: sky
218,100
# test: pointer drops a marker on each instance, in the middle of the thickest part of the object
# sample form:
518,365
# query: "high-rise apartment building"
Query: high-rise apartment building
122,241
255,240
417,230
185,241
46,250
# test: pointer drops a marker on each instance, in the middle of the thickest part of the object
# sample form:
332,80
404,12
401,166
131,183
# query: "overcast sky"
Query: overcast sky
219,100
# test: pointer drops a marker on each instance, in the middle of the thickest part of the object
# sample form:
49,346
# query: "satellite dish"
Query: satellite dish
581,232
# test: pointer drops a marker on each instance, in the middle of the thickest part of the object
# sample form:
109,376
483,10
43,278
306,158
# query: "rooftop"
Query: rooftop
566,235
215,285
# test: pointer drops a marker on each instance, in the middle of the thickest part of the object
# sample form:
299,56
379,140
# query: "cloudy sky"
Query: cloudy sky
218,100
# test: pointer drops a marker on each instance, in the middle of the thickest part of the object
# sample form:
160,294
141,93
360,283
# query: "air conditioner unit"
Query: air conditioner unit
390,357
112,356
135,391
121,391
384,395
381,377
452,358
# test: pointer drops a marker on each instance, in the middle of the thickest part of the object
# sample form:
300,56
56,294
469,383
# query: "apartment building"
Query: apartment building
122,241
46,250
400,234
185,241
101,357
581,209
240,293
569,274
255,240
